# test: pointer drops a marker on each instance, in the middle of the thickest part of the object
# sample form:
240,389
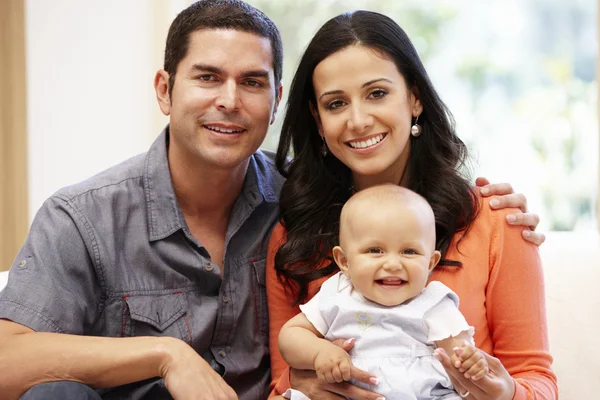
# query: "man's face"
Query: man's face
223,100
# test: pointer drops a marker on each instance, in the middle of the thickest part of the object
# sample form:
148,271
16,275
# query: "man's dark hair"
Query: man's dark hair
219,14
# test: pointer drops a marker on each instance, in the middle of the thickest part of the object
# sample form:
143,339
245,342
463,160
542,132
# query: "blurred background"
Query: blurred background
520,77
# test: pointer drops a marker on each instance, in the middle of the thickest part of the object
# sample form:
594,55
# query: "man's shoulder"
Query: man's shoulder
111,178
269,176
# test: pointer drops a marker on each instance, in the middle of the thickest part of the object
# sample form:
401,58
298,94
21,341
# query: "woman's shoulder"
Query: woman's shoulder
278,236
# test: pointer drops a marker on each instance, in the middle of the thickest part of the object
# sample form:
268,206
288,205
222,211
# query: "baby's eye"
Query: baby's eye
410,251
374,250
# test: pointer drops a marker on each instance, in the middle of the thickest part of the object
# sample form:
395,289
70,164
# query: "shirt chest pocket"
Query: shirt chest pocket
156,315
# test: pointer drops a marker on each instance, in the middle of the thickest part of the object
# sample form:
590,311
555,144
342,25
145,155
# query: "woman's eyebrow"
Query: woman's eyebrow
364,85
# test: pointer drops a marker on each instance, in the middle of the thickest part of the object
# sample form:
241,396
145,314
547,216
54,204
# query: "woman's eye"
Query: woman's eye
377,94
335,104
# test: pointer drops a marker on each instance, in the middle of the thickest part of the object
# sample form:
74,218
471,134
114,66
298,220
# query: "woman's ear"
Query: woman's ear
341,260
315,114
415,99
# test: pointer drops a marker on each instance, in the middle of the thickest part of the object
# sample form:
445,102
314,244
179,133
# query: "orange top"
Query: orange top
501,291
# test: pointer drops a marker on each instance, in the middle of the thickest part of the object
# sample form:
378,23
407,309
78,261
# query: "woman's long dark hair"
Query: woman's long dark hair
317,187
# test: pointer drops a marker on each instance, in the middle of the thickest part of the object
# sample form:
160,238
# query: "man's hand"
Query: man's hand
189,376
308,383
507,198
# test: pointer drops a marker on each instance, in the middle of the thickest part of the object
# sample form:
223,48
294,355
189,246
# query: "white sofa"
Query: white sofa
572,274
3,279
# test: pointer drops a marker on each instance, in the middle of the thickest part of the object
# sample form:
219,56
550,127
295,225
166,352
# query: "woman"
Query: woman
362,111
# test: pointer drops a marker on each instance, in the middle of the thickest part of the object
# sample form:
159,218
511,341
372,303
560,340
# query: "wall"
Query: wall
13,131
90,73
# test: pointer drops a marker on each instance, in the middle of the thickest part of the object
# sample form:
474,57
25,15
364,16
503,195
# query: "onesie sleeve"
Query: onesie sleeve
444,320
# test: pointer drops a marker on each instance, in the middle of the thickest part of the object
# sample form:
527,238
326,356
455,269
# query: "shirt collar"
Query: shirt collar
165,217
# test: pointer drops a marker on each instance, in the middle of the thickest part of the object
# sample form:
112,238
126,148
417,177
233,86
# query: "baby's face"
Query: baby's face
389,251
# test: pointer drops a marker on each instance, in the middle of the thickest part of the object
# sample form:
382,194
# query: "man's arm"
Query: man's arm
28,358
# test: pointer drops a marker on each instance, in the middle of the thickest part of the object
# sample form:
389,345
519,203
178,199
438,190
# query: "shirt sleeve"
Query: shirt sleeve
444,320
52,284
516,310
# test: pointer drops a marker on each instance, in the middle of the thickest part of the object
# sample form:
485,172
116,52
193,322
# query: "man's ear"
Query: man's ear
315,114
161,87
417,106
341,260
277,101
434,260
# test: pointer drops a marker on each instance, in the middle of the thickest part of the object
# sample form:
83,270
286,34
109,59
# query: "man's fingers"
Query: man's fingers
530,220
496,189
514,200
481,181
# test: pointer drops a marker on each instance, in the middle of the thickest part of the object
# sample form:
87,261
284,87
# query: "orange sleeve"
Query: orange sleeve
280,311
516,309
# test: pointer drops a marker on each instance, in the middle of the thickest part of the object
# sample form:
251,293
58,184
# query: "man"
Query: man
155,267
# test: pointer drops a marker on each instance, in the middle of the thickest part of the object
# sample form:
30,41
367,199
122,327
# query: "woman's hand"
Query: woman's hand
507,198
496,385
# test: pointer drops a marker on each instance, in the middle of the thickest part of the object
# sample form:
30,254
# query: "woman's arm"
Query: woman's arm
280,305
515,311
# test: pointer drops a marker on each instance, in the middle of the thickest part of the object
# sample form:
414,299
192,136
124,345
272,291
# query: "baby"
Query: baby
382,300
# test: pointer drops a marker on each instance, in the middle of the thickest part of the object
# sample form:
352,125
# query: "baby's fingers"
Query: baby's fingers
478,371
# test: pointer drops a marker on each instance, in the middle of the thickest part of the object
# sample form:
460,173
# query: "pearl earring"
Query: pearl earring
416,129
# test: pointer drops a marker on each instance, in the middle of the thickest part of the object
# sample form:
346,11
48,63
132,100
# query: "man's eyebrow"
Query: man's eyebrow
259,73
207,68
364,85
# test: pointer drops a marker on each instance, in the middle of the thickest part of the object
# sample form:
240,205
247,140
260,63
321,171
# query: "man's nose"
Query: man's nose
228,98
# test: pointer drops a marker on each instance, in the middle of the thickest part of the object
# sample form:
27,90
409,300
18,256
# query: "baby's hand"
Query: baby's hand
470,361
333,365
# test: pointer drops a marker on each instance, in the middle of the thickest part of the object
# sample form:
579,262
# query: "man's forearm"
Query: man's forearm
29,359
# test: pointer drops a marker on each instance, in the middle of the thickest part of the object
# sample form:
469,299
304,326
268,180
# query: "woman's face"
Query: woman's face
365,113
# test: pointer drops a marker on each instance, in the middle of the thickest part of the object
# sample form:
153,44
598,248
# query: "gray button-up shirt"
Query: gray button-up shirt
113,256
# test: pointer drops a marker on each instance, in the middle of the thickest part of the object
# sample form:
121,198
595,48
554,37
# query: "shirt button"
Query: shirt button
209,267
226,298
222,353
22,263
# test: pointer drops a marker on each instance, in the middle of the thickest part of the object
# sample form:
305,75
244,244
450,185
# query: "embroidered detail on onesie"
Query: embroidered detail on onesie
364,320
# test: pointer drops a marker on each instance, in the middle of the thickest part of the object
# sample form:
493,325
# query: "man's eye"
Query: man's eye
335,104
378,94
254,83
207,78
